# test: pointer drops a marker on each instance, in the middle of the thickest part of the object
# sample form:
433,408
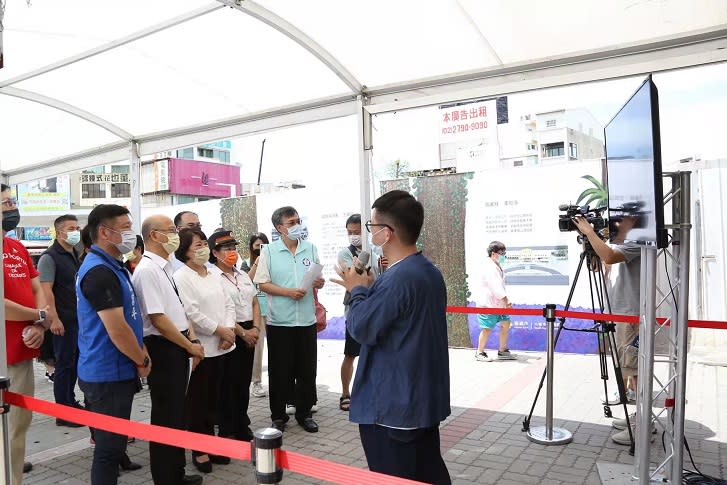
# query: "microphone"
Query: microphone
362,262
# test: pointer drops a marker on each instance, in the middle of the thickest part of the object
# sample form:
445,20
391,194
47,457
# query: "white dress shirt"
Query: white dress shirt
240,288
207,305
155,289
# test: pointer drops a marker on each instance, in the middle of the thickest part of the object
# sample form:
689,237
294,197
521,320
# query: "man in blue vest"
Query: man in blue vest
111,352
58,267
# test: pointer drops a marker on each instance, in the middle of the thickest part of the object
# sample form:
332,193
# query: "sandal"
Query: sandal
344,403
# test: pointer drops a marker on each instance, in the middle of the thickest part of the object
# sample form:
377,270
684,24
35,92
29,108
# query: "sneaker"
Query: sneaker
623,438
483,357
620,423
505,355
290,409
50,376
258,391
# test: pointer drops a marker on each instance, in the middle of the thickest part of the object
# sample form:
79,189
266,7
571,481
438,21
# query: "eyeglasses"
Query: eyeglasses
10,201
171,230
370,224
502,253
292,223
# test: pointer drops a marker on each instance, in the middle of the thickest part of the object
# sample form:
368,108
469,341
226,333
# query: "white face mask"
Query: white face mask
201,256
355,240
297,232
376,249
128,240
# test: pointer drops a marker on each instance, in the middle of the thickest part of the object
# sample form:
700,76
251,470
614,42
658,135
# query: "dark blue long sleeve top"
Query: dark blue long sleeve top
402,379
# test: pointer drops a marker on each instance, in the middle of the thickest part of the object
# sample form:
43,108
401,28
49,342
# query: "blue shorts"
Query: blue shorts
489,321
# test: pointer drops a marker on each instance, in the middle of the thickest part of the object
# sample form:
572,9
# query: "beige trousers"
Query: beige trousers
22,381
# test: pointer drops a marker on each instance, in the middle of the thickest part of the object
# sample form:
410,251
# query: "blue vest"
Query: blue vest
287,270
98,358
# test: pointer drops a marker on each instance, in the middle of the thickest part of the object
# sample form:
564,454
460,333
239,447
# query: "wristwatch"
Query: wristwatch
195,341
42,315
145,364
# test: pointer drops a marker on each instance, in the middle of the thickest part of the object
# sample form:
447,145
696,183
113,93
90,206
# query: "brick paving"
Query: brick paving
482,441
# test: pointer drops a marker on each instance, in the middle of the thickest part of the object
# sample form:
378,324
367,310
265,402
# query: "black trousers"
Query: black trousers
235,391
203,396
65,348
167,384
111,399
292,360
412,454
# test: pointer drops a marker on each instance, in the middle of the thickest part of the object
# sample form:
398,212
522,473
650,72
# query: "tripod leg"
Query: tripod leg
620,382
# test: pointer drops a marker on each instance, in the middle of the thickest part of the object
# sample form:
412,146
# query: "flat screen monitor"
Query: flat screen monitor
633,162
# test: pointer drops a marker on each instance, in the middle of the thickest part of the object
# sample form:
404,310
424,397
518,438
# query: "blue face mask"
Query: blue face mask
73,237
501,259
297,232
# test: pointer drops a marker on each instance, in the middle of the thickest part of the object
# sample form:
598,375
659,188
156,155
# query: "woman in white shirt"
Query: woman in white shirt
212,313
237,365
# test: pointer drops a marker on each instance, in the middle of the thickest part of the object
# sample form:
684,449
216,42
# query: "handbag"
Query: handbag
321,320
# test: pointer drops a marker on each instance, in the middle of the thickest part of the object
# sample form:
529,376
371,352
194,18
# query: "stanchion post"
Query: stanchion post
548,435
4,441
264,455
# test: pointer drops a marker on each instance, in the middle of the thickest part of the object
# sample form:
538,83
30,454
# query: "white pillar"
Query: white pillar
135,176
364,162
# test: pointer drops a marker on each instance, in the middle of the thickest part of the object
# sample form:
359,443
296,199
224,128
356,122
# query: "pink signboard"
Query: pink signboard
206,179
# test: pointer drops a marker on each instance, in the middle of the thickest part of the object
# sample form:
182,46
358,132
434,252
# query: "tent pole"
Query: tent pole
364,159
135,175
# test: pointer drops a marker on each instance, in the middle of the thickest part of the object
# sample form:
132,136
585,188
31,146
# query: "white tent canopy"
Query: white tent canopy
85,80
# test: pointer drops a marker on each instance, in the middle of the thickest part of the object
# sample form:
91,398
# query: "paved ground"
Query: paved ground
482,441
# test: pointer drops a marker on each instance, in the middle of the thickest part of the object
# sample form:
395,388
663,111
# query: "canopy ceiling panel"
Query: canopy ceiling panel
550,29
382,42
216,66
42,133
49,30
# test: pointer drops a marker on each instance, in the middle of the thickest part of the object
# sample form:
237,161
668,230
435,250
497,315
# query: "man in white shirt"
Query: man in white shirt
170,340
495,296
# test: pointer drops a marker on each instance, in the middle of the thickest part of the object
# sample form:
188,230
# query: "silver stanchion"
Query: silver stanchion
264,453
548,435
4,441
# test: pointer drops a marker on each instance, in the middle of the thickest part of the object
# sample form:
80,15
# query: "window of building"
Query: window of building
553,150
185,199
119,169
120,190
187,153
205,152
573,150
94,170
531,146
93,191
517,163
550,123
223,157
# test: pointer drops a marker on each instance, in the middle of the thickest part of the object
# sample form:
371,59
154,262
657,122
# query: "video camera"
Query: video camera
594,216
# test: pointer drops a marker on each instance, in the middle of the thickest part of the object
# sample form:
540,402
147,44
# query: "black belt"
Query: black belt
248,325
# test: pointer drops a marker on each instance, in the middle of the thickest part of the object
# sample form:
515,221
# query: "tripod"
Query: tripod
605,333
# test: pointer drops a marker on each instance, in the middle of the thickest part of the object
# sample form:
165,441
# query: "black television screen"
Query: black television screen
633,162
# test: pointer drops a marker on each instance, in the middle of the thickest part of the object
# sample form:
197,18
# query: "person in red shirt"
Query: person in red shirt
25,324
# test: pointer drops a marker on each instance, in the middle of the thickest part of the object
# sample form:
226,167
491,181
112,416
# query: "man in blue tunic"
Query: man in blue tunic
401,391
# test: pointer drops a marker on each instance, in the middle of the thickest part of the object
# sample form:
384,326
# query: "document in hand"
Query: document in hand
314,272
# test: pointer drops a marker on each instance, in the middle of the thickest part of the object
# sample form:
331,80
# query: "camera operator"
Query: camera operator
623,273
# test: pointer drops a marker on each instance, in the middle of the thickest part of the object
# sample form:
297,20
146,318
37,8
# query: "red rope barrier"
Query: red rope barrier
239,450
713,324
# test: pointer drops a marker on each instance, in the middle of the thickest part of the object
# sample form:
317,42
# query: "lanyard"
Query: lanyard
174,286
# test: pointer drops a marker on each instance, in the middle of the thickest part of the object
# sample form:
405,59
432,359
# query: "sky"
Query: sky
693,103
